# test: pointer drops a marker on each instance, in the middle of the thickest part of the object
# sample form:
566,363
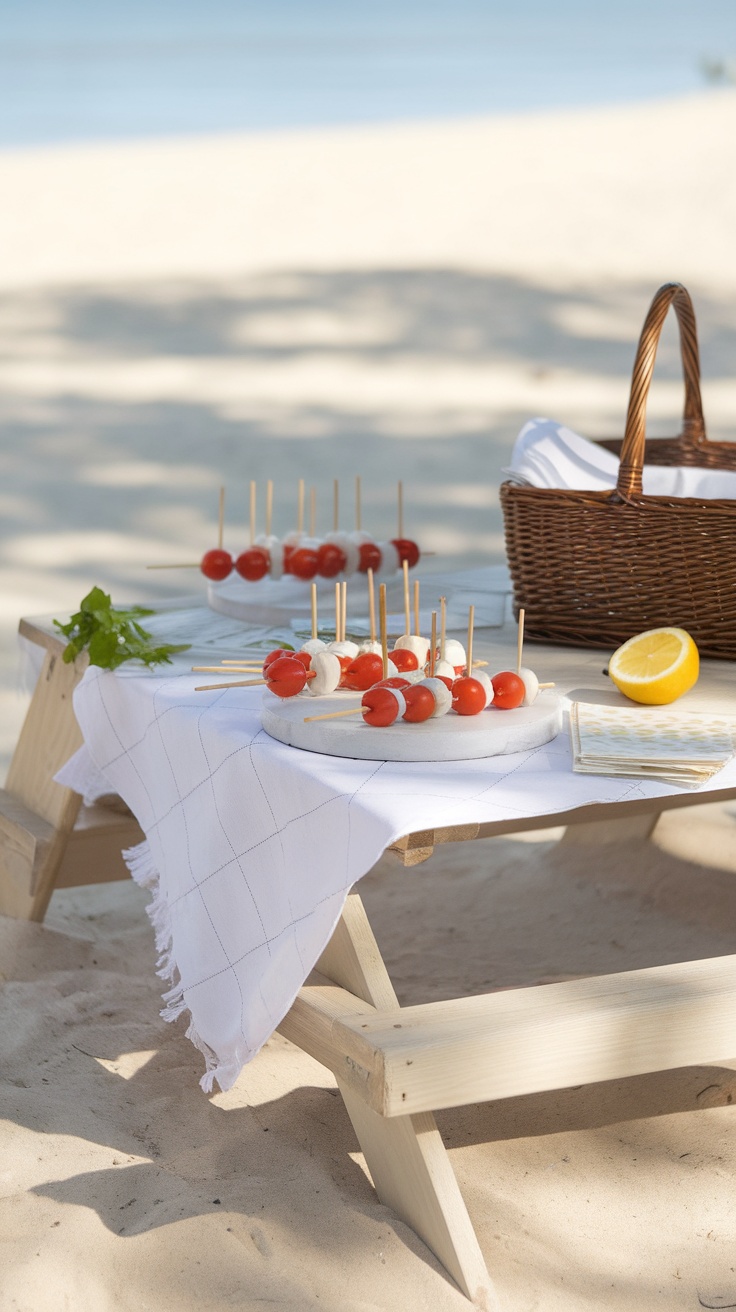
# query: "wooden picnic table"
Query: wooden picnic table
396,1065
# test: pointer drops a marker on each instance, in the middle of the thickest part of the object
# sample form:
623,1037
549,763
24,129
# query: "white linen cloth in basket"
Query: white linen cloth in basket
252,846
547,454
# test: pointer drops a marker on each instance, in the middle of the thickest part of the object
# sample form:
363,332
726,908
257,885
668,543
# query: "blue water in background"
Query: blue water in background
81,70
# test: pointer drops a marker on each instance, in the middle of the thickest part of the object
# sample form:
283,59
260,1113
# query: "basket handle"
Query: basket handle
693,425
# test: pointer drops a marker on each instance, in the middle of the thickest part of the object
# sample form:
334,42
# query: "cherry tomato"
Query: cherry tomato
345,663
448,682
395,681
304,657
404,659
275,655
331,560
303,563
363,672
253,564
420,704
286,676
468,696
408,551
216,564
370,557
289,550
381,706
508,690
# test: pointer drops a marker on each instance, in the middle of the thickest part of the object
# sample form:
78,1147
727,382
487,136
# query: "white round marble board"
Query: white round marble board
450,738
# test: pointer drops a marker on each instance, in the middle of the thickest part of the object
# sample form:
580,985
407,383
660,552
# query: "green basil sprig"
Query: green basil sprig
111,635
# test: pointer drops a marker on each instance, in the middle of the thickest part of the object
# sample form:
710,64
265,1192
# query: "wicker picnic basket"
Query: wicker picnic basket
591,569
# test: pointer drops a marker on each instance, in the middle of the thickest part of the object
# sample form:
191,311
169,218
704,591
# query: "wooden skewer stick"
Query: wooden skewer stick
300,507
357,502
471,623
443,626
344,609
239,665
337,613
335,504
400,498
433,644
241,683
312,511
407,606
225,669
417,630
221,519
252,516
542,686
246,683
371,605
382,622
520,640
314,610
269,506
334,715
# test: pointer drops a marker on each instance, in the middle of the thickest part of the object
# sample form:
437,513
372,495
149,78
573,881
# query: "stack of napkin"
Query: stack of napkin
679,747
546,454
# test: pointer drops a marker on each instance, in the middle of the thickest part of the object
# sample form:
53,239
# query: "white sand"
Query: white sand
393,302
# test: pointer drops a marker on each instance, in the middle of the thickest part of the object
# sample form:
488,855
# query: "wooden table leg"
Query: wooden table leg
46,838
36,814
405,1155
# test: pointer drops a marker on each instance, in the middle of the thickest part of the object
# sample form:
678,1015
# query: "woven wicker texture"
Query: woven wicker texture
591,569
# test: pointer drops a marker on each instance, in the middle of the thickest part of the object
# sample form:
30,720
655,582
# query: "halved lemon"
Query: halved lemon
656,667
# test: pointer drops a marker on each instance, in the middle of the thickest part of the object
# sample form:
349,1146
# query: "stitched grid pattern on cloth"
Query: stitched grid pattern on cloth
252,846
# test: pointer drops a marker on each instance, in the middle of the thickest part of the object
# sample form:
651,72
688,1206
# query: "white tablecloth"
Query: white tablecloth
252,846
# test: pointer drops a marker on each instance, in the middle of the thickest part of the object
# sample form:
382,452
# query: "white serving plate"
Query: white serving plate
450,738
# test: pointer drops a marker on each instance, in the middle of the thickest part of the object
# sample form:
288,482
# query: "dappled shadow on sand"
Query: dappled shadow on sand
272,1168
125,408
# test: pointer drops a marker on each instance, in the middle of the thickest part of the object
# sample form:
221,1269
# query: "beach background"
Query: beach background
307,241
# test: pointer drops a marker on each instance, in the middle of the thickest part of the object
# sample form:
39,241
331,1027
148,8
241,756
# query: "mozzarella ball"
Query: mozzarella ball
374,647
389,558
275,549
416,644
350,550
327,671
442,697
485,682
445,669
455,654
413,676
531,685
350,649
313,645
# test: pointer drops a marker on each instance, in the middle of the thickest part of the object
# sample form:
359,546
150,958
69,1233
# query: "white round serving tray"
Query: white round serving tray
242,601
450,738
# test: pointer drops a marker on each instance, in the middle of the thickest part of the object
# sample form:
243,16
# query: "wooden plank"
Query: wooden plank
49,736
35,631
21,832
406,1157
499,1045
648,808
352,958
310,1022
26,844
412,1174
94,850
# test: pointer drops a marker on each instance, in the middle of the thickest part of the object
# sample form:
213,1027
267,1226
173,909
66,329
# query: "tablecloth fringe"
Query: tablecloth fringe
142,867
